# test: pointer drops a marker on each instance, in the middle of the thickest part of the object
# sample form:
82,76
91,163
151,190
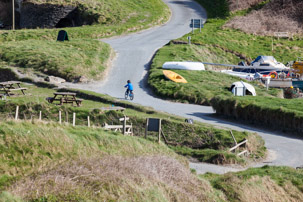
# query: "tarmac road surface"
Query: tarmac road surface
134,53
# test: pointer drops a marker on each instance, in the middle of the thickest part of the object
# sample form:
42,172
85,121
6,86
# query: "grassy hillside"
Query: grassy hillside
51,162
222,45
202,86
235,5
275,16
109,18
83,55
68,60
260,184
48,162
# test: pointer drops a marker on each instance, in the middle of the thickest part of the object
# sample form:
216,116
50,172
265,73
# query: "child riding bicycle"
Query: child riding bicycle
129,87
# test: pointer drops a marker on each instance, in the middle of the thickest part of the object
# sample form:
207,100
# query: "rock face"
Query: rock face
55,80
48,16
7,74
5,12
81,79
30,15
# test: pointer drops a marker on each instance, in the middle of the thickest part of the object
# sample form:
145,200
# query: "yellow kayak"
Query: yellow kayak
174,76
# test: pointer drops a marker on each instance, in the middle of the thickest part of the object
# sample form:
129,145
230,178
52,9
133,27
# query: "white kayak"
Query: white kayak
242,75
184,65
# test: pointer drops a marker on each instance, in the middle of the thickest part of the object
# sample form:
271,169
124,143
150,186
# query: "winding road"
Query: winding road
134,54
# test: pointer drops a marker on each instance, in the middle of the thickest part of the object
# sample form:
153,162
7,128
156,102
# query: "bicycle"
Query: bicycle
130,94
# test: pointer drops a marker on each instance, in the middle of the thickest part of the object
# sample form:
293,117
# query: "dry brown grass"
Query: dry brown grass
265,189
276,16
235,5
254,144
118,179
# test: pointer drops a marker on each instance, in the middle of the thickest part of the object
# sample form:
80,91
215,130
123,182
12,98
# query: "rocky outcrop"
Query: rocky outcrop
31,15
55,80
5,12
48,16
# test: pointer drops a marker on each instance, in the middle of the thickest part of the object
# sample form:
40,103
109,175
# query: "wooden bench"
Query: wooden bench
116,128
79,101
65,98
9,86
15,89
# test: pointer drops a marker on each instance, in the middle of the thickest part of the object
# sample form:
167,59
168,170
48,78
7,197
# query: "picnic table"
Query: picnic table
65,98
9,86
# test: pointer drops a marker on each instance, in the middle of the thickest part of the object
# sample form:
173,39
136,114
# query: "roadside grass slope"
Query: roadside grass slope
260,184
198,140
53,162
68,60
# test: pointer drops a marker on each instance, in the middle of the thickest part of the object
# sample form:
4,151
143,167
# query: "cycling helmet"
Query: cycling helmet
128,81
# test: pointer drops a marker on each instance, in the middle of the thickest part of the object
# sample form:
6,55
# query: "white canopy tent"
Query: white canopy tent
241,88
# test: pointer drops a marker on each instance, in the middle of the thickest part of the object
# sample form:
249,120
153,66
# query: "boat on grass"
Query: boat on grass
173,76
184,65
262,64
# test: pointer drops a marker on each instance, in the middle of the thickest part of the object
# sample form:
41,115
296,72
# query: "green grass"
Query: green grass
274,113
36,149
52,162
27,147
109,18
68,60
270,179
202,86
217,44
36,48
250,46
192,136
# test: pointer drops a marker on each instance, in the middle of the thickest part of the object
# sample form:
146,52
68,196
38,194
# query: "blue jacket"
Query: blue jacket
129,86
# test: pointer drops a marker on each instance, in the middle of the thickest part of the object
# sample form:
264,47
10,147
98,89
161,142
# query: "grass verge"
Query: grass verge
181,135
68,60
262,184
66,163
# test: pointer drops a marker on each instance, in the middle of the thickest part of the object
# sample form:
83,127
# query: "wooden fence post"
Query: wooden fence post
159,135
74,119
60,115
66,116
235,141
124,125
17,112
40,115
88,121
146,128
